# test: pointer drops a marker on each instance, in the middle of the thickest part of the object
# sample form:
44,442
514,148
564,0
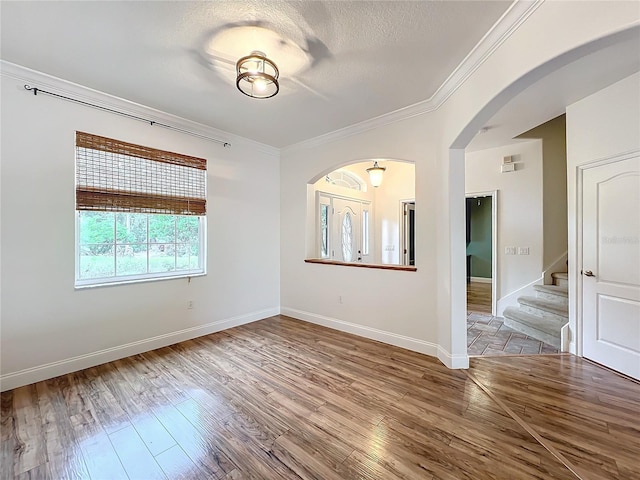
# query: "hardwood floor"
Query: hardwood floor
281,398
588,414
479,297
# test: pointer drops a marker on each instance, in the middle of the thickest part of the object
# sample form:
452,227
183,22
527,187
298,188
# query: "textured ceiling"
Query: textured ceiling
341,62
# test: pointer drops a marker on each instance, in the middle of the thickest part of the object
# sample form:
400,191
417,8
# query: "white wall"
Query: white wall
425,310
601,126
519,222
372,300
554,192
398,184
572,29
45,322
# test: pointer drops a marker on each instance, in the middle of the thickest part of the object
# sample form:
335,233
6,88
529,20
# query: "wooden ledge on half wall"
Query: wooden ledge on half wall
402,268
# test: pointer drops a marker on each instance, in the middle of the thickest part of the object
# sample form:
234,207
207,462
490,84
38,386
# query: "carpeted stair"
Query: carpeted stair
543,316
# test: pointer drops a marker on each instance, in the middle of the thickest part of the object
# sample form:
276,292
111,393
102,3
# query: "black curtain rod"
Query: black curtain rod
128,115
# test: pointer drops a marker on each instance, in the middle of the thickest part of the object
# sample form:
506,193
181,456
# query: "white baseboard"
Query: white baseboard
480,280
453,361
512,298
564,338
402,341
73,364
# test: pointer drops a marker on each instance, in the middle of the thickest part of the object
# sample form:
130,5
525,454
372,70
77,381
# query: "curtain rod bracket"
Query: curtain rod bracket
128,115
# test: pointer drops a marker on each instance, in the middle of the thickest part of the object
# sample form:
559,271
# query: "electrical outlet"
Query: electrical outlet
510,250
523,251
190,305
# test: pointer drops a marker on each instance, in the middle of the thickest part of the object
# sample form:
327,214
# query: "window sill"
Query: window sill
130,281
402,268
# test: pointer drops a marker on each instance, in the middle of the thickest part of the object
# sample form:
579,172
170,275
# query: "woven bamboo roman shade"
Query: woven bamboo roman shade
116,176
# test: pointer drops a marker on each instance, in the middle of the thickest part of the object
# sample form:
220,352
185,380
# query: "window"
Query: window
343,178
365,232
140,212
324,231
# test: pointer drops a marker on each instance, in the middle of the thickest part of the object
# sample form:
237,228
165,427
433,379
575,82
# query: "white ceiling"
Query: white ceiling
341,62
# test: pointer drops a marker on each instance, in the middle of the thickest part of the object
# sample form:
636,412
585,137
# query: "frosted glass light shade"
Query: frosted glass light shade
375,174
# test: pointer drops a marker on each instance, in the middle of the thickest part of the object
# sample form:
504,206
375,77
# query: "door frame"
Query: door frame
494,243
575,274
403,234
331,240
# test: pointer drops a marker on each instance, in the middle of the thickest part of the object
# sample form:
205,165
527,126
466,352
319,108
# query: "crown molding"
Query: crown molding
509,22
60,86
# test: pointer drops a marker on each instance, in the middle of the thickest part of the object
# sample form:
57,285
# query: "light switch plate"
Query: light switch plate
523,251
509,250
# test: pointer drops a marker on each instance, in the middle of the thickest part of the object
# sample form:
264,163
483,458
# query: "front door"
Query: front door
611,265
346,230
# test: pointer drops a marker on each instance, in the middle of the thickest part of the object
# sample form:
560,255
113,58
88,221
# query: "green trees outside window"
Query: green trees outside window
113,245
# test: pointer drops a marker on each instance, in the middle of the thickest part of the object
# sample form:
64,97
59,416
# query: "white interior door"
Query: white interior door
611,265
346,230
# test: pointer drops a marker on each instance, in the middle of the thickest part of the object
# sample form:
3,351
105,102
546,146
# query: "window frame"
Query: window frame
324,198
145,277
346,179
365,230
179,192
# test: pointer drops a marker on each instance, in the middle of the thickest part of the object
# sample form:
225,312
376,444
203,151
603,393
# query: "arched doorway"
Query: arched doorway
481,119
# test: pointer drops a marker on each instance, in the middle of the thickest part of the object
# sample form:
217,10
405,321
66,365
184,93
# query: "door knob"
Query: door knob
588,273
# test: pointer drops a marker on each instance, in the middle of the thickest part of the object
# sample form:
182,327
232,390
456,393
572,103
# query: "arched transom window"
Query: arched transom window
343,178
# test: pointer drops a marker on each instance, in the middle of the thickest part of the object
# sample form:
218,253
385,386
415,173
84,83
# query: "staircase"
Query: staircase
543,316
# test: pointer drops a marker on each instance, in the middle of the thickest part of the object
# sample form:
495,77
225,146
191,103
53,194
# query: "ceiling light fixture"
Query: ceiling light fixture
375,174
257,76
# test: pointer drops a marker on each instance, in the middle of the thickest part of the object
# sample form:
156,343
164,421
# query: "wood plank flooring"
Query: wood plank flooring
479,297
284,399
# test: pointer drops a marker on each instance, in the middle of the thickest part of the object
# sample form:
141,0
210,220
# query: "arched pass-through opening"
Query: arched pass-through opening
456,179
346,163
355,219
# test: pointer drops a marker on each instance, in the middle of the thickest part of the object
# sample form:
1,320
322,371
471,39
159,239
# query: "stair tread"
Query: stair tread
544,323
543,328
553,289
547,306
563,275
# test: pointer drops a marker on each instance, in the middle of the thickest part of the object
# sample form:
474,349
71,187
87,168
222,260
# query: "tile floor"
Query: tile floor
487,335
